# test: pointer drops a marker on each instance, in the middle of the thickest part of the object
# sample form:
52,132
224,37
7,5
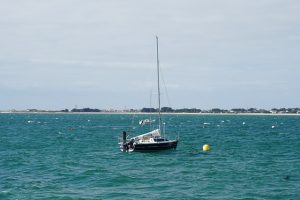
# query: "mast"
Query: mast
158,87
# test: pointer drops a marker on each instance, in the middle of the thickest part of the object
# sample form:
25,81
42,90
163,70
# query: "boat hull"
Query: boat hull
156,146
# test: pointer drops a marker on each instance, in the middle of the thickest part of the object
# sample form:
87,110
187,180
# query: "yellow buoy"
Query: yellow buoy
206,147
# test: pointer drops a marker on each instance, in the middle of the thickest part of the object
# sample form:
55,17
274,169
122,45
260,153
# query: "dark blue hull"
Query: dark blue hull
156,146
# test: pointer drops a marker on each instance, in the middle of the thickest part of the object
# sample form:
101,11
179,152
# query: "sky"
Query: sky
101,54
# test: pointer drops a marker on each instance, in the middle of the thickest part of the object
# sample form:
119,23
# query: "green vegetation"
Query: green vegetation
218,110
85,110
170,110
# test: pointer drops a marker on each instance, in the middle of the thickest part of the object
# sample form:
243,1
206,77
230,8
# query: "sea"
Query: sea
77,156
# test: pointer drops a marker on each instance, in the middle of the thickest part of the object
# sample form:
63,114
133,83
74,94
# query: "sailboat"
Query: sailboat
153,140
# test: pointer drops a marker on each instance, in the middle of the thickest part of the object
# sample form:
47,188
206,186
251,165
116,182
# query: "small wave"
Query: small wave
94,172
4,193
283,133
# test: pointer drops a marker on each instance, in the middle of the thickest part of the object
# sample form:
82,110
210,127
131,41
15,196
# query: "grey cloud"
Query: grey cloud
206,48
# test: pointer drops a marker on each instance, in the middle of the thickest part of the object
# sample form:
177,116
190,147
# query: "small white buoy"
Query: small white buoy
273,126
244,123
206,147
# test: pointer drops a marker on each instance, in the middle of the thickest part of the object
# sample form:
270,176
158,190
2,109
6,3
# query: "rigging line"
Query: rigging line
158,86
169,102
150,117
165,87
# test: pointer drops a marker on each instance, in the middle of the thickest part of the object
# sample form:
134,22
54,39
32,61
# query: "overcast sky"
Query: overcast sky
101,54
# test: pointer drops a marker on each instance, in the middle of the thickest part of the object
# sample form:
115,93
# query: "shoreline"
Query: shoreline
143,113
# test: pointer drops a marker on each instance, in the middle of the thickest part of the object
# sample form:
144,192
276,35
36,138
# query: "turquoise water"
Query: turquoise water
48,156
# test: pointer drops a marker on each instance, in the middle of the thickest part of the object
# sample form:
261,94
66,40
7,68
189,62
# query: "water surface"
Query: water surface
69,156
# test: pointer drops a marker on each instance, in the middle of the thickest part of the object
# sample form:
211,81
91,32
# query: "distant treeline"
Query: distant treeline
84,110
192,110
218,110
171,110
